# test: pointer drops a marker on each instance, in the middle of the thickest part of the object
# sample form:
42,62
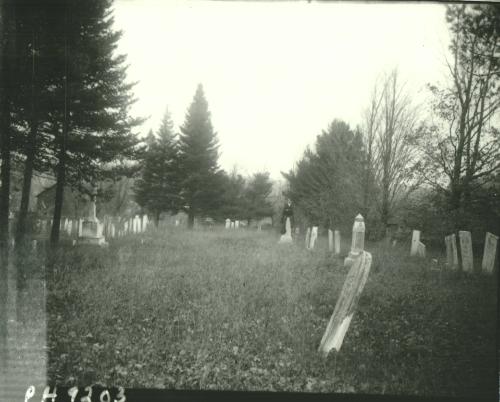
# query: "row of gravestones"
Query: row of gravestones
110,227
465,239
232,224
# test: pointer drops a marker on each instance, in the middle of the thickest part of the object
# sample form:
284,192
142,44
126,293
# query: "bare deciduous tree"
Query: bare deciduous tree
462,147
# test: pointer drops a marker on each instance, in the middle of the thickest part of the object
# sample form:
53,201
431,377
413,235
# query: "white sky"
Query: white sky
274,73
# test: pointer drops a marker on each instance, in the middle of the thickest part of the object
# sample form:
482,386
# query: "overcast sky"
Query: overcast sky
274,73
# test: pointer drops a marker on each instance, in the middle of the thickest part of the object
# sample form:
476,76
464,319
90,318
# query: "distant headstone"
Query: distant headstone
421,249
346,304
287,236
125,227
314,236
451,251
236,224
145,222
336,241
358,240
69,227
112,229
228,223
308,237
489,254
466,250
80,223
232,225
330,240
415,240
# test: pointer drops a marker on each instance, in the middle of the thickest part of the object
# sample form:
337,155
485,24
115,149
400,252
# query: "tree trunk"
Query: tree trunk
157,219
30,160
58,202
190,220
7,32
61,166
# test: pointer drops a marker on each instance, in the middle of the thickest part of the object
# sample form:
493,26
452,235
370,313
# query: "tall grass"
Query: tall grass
227,309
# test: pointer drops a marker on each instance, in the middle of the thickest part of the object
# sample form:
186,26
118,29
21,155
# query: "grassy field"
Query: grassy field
222,310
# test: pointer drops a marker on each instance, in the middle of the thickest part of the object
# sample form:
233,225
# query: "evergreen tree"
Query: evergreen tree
158,188
233,198
326,184
257,194
198,153
89,117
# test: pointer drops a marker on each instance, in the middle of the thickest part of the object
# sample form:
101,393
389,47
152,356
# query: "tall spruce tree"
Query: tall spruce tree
157,190
90,120
198,155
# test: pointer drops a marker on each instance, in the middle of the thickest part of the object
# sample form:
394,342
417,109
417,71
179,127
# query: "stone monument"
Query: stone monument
489,254
358,240
466,250
91,228
287,236
346,304
451,251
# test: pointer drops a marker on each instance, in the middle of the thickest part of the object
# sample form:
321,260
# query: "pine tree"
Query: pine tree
198,153
257,194
157,190
89,119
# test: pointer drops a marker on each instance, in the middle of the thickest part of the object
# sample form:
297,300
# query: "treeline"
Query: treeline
435,168
180,173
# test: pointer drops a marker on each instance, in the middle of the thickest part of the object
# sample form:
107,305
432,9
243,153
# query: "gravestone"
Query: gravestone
314,236
466,250
232,225
91,227
336,241
415,240
228,223
451,251
358,240
69,227
236,224
80,223
489,253
177,222
287,236
308,237
330,240
125,227
297,231
138,228
421,249
346,304
145,222
112,229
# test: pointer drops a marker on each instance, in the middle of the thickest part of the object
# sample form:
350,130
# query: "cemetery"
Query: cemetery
240,309
271,209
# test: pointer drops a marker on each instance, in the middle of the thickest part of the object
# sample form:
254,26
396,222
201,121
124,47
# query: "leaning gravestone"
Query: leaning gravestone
308,237
415,242
466,250
314,236
489,254
358,240
330,240
336,240
451,251
287,236
346,304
